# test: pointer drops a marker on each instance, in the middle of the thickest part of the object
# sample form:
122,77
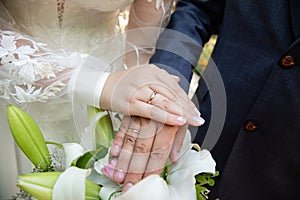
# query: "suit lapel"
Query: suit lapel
295,15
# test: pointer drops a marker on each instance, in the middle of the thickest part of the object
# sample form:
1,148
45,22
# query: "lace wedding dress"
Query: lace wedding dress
42,44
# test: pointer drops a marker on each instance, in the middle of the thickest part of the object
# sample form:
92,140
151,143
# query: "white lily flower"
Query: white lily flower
152,187
181,177
71,184
72,152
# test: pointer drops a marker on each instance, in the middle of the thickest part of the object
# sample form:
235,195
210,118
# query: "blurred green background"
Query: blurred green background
206,53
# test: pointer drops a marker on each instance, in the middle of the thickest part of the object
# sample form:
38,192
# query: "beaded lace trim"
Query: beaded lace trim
60,11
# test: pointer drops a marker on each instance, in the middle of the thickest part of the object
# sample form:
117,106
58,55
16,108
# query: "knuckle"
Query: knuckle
123,128
142,148
152,66
158,114
166,104
132,99
157,154
164,72
118,140
130,140
153,111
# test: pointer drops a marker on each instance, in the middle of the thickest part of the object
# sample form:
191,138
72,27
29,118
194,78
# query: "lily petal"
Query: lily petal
193,161
71,184
181,176
72,152
102,163
182,186
152,187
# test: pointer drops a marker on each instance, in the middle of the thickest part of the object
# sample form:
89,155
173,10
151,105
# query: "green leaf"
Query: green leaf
217,173
201,179
201,192
29,137
211,182
104,133
87,160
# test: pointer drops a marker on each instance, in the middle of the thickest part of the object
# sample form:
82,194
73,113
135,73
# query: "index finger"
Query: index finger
141,153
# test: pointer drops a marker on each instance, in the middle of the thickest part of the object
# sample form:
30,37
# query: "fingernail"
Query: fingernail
113,163
115,150
181,119
120,175
127,187
198,119
197,111
107,171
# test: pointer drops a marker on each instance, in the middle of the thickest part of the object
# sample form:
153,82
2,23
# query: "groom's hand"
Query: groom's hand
143,147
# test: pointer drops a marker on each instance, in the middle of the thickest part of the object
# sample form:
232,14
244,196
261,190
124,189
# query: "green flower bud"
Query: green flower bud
29,137
40,185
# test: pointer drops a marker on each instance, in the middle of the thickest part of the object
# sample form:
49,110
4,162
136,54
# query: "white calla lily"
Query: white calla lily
181,176
72,152
152,187
71,184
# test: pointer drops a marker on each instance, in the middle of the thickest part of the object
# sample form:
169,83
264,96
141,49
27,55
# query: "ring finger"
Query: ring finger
127,150
141,153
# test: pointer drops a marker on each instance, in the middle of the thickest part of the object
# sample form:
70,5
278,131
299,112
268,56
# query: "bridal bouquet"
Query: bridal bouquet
82,177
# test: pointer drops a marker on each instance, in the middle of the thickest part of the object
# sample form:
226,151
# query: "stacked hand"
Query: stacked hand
143,144
149,92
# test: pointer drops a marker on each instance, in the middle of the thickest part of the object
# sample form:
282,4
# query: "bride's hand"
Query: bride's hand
149,92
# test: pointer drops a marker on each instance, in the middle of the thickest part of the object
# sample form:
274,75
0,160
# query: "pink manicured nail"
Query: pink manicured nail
113,163
109,169
120,175
181,119
198,120
127,187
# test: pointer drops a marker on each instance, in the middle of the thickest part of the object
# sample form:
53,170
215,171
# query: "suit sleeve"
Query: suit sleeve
191,25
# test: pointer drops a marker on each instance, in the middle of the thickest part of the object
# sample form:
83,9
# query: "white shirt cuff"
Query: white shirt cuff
88,86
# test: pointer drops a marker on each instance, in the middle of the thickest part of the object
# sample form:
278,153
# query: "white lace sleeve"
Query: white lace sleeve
24,67
29,72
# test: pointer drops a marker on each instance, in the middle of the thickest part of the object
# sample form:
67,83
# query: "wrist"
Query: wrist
106,94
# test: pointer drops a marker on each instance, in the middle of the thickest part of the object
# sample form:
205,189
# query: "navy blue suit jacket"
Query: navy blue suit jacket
258,57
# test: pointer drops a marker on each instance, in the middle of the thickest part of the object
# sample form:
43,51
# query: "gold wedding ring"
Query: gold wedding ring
150,99
133,130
